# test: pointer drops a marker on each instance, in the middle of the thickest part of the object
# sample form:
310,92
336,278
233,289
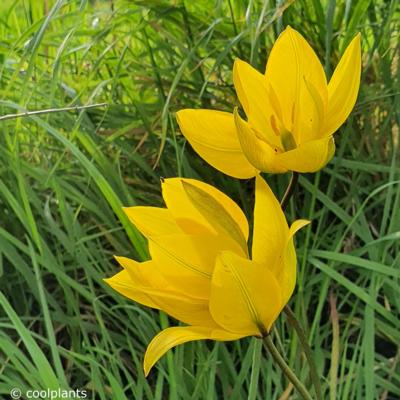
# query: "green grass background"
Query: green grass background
64,177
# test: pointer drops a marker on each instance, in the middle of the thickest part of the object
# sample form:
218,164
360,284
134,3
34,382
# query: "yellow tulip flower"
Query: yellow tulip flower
200,270
291,112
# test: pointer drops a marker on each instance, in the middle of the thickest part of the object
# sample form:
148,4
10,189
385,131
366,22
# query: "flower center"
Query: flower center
288,141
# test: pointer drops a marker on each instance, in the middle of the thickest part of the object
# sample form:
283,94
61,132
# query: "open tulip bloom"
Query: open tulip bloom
291,112
200,270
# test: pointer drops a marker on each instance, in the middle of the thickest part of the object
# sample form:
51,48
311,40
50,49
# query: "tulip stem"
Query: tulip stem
293,321
269,345
290,190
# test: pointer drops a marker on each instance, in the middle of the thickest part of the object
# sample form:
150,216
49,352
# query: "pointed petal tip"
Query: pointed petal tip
303,222
237,63
167,181
297,225
354,45
356,41
108,281
175,182
127,209
289,30
112,282
235,70
117,258
146,370
180,115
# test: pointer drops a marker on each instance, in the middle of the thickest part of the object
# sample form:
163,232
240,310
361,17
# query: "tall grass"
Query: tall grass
64,177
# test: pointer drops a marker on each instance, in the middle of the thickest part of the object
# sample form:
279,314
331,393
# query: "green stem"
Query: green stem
293,321
50,110
290,190
269,345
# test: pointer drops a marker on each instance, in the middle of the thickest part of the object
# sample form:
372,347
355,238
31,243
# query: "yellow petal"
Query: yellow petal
132,282
291,63
251,88
258,152
309,113
245,297
123,284
286,274
343,87
212,134
152,221
308,157
172,337
213,210
187,261
270,226
143,273
182,208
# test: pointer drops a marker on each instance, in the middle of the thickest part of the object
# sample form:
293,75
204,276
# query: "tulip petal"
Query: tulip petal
343,87
152,221
131,284
123,284
143,273
291,63
172,337
310,114
258,152
212,134
308,157
245,296
213,210
187,261
186,213
270,226
286,275
251,88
